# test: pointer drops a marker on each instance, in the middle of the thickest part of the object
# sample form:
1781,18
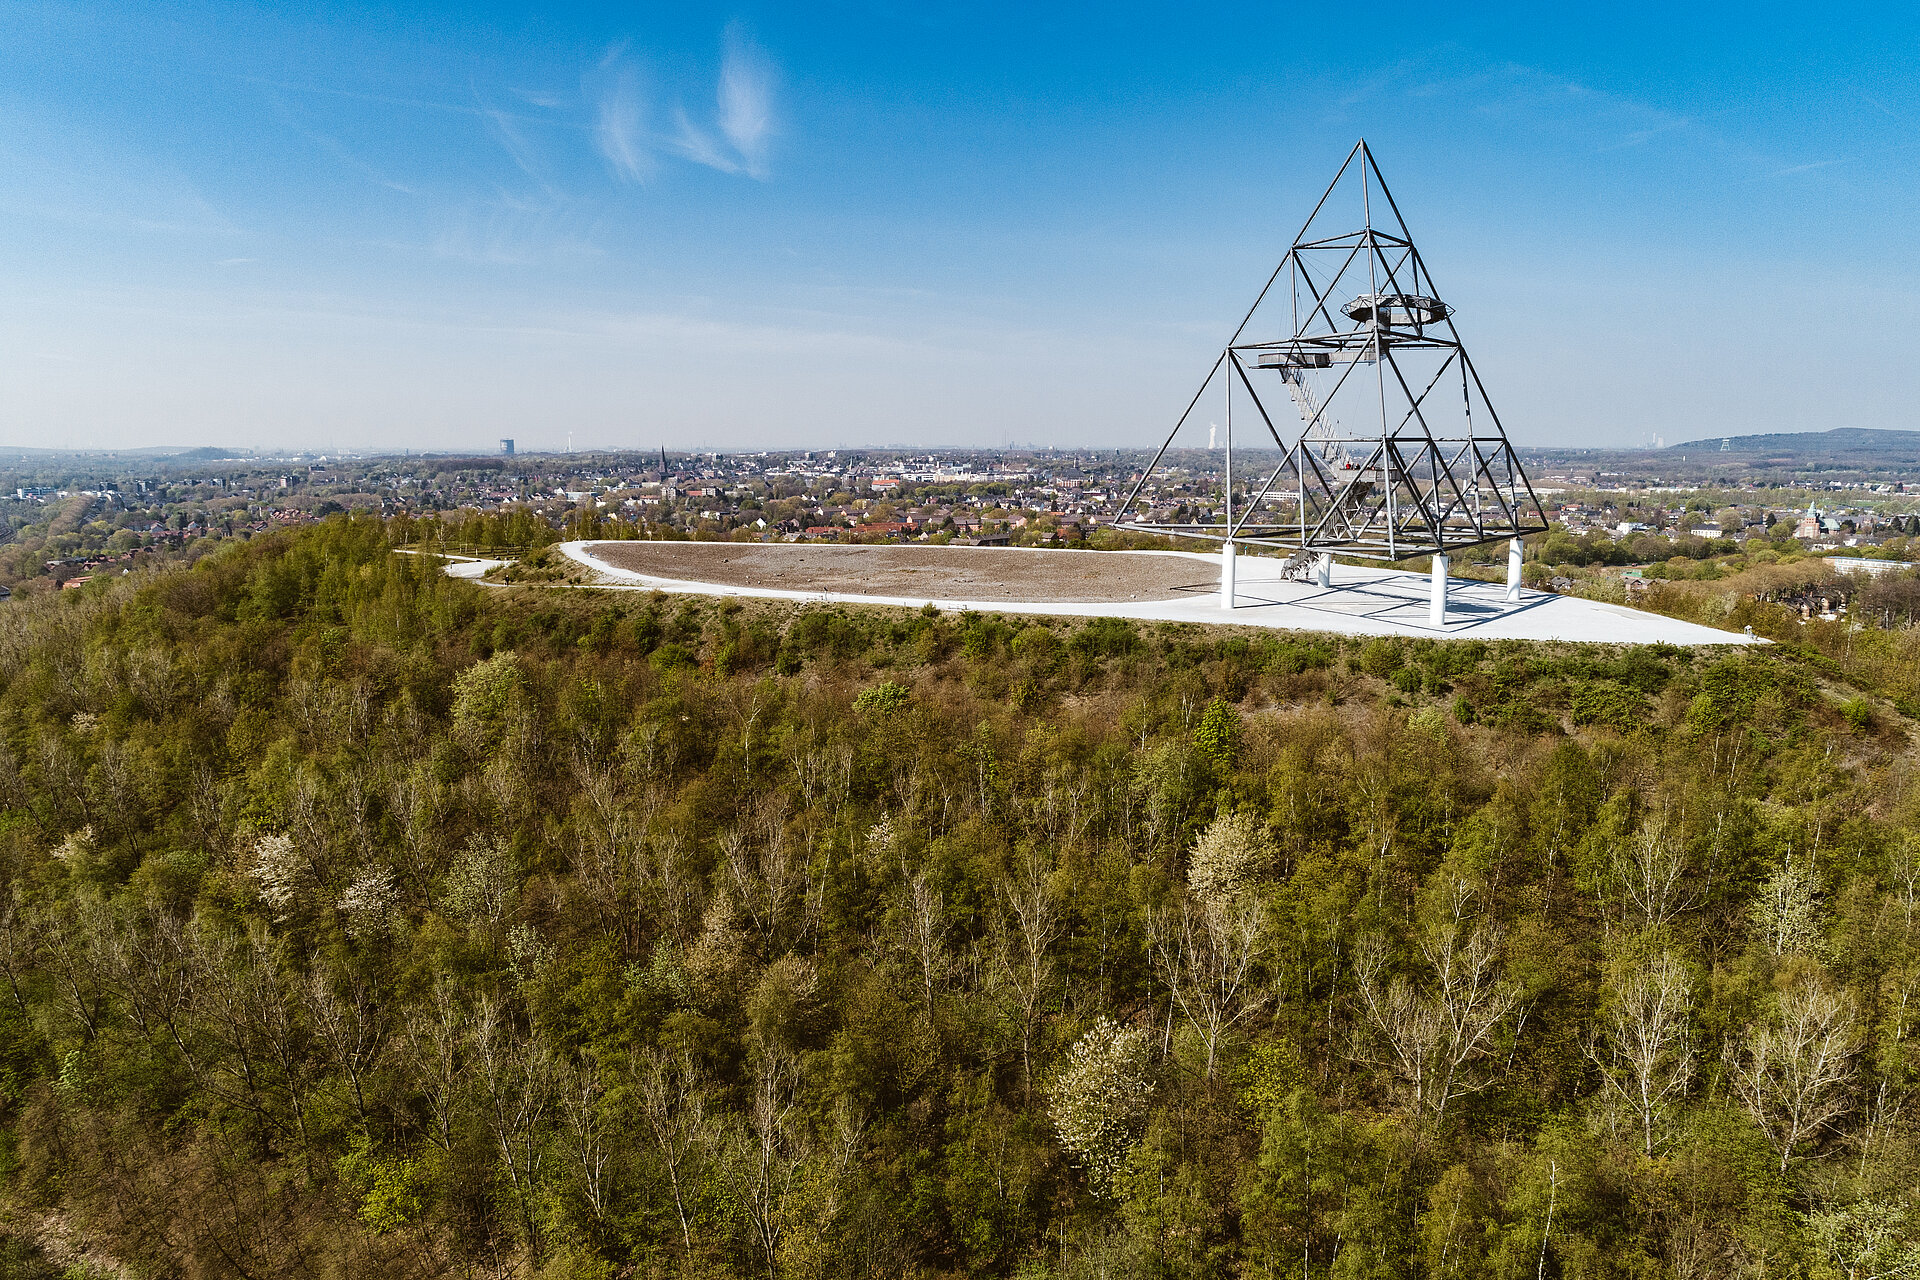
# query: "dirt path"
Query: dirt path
953,573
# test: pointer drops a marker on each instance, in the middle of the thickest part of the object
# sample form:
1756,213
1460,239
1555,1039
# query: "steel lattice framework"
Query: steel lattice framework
1401,453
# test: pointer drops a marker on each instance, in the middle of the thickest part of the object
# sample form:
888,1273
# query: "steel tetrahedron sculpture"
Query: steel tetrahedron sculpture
1397,452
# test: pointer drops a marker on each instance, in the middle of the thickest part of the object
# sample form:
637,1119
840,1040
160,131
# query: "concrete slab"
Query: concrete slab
1372,602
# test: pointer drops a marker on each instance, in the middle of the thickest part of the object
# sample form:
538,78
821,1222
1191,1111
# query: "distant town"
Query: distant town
1629,516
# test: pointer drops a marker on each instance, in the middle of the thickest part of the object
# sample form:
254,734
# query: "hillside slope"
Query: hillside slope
363,921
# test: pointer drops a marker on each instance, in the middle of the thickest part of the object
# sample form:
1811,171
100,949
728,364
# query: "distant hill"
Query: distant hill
189,453
1838,440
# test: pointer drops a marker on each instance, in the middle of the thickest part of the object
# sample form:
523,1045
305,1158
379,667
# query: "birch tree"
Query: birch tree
1436,1024
1025,926
1644,1047
1207,952
1793,1071
673,1098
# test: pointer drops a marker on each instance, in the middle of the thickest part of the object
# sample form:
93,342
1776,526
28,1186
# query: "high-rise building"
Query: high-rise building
506,448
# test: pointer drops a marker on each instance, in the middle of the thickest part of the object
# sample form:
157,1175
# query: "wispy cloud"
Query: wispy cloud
296,119
746,100
1792,169
513,232
335,148
745,122
696,144
620,125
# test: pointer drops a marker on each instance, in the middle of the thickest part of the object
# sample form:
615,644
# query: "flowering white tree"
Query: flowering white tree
1871,1240
370,903
1099,1099
76,850
281,872
1230,855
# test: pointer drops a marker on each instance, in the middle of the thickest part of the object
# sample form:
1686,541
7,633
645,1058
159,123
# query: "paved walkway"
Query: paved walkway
1367,602
459,566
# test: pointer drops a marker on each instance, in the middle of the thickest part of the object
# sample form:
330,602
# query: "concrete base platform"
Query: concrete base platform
1368,602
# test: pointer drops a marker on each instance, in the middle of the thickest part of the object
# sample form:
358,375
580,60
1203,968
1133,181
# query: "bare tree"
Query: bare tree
768,873
1904,863
1794,1071
414,800
808,759
152,967
1645,1051
515,1077
1651,873
19,943
277,1027
762,1156
925,928
1207,950
257,1050
819,1203
436,1037
1025,925
674,1101
72,936
749,703
1437,1030
353,1025
670,888
583,1107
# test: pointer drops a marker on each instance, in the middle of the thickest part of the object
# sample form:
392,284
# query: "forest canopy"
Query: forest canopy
363,921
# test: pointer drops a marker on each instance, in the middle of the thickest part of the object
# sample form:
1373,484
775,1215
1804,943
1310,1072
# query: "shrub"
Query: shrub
1607,703
883,699
1380,657
1106,638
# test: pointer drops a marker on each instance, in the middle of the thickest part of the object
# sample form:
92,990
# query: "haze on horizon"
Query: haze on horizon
751,227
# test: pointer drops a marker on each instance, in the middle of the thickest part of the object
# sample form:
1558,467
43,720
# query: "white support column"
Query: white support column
1226,575
1514,553
1437,606
1323,570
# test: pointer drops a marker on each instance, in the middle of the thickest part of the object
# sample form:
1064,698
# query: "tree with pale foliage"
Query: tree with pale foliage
280,871
1232,854
1099,1099
1786,912
1871,1240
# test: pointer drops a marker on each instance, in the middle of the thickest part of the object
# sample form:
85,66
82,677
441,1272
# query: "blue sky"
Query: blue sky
341,226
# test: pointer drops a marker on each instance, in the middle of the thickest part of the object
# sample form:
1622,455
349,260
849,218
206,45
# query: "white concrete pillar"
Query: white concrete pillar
1437,606
1226,575
1323,569
1514,553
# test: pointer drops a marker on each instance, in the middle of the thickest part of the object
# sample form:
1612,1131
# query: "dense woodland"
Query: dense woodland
365,922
